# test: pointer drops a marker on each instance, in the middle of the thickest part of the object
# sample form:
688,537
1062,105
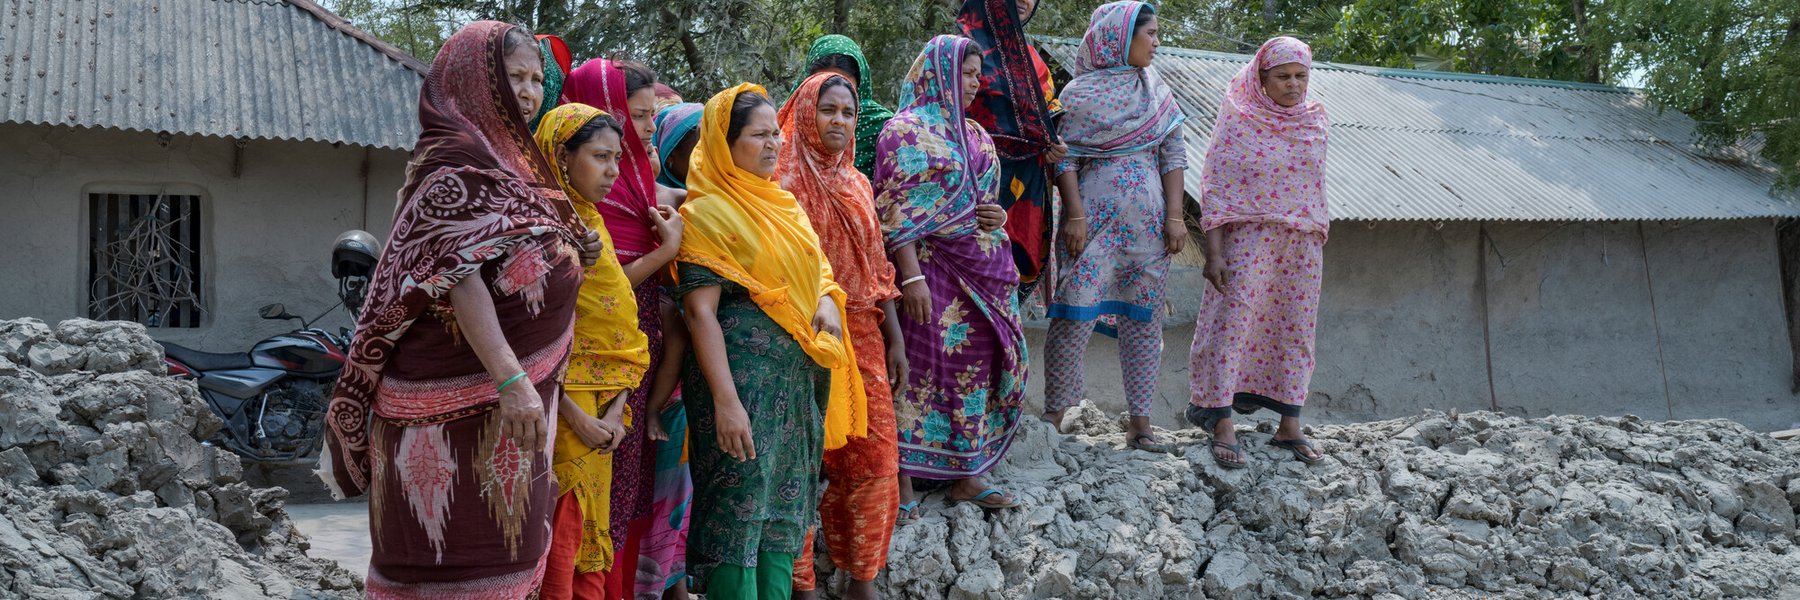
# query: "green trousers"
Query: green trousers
772,579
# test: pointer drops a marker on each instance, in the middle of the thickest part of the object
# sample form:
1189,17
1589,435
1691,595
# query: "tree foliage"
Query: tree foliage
1734,65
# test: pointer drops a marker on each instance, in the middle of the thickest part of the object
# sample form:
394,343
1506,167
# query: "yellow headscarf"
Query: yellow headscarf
610,354
610,351
748,230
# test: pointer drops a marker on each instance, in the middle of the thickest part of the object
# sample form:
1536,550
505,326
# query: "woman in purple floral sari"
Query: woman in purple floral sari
937,190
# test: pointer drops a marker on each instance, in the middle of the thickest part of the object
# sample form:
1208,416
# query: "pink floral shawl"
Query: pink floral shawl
1266,162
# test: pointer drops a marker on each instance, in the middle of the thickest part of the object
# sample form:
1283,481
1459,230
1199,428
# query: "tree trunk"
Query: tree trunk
1269,13
840,16
690,50
1590,63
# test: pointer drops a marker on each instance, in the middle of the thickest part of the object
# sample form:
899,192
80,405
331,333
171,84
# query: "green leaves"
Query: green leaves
1733,65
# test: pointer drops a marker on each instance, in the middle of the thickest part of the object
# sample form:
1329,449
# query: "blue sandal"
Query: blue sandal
981,499
906,513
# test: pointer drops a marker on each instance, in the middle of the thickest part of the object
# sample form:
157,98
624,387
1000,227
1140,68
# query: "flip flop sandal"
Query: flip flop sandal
981,500
907,513
1295,446
1225,462
1147,443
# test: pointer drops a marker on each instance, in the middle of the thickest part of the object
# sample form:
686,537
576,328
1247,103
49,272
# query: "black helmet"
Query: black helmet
353,254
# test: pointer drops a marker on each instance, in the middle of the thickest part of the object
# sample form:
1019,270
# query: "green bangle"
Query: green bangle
508,382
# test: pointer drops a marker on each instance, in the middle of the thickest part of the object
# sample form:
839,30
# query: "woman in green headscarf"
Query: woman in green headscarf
841,55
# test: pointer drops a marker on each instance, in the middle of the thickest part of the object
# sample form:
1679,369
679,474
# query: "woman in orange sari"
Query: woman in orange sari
818,166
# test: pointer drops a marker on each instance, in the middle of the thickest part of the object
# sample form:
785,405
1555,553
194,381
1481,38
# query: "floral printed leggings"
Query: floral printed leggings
1140,360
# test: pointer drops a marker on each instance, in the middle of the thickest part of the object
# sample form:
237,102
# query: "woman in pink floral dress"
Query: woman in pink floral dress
1263,209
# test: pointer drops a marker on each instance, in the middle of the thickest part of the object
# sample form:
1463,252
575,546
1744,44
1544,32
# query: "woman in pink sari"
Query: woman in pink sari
1262,205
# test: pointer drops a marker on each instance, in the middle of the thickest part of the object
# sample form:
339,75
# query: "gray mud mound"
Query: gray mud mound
1436,506
106,490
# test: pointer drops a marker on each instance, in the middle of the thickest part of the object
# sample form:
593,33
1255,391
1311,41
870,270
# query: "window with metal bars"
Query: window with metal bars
144,259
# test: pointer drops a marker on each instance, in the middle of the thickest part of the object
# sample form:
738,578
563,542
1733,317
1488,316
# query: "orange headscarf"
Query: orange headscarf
748,230
836,197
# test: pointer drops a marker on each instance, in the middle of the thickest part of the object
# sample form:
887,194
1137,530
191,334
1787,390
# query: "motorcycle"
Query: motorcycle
273,398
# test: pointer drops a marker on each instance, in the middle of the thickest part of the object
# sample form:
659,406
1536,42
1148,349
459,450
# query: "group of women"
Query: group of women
619,345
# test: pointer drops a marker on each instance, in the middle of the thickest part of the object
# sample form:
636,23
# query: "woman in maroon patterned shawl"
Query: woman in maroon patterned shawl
645,236
463,340
1014,105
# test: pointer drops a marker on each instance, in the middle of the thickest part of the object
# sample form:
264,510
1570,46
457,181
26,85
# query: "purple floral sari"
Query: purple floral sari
963,395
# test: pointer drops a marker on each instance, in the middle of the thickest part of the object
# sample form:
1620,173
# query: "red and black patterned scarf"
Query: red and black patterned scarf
1011,104
476,187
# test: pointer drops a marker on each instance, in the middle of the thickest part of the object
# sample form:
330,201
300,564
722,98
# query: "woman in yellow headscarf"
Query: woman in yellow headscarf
766,321
607,361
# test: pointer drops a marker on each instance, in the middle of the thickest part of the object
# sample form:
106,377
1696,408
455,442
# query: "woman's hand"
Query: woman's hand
589,430
990,217
1175,235
614,421
654,428
897,365
591,248
522,414
1056,151
825,318
915,298
668,224
1074,233
1216,273
733,427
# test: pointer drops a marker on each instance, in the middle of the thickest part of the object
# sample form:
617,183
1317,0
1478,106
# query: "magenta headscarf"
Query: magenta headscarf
600,83
1111,108
1266,162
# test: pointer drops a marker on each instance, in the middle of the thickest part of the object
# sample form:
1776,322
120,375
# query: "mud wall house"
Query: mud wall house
1528,246
183,162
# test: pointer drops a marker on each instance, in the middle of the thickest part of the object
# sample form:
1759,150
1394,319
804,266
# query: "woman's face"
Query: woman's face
1026,8
594,166
1286,84
525,71
837,118
1144,44
642,105
971,77
679,156
758,144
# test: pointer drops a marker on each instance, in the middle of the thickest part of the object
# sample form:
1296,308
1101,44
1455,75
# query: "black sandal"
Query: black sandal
1199,417
1295,445
1225,462
1147,442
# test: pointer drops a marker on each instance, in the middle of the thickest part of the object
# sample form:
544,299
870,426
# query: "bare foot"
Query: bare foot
806,594
860,590
1054,418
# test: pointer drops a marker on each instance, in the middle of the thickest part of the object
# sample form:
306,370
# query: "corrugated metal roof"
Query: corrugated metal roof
266,69
1423,145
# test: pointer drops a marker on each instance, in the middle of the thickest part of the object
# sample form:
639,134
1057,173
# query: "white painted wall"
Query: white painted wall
267,230
1571,324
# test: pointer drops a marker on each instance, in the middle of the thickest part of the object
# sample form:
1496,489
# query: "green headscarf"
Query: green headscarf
553,77
870,115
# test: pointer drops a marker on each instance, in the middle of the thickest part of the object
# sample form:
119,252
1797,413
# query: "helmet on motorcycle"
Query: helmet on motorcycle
353,254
